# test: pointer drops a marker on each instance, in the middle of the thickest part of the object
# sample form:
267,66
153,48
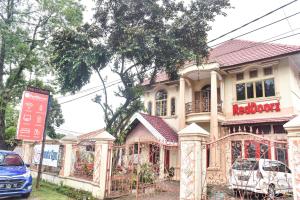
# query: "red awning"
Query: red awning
256,121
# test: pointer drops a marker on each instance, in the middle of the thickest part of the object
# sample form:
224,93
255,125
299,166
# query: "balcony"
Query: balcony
200,107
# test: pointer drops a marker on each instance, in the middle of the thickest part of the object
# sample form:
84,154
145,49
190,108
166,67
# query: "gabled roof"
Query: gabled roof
157,127
235,52
90,135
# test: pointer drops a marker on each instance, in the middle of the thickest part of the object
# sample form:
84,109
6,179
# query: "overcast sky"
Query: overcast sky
83,115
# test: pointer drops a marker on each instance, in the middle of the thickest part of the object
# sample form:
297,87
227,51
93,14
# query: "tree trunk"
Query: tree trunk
2,129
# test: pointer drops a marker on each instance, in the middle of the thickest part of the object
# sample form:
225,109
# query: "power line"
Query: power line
252,21
258,44
89,93
251,46
264,26
83,91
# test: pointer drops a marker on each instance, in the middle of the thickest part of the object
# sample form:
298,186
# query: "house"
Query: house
242,96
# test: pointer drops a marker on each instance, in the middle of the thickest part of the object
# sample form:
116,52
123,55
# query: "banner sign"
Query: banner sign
50,157
253,108
32,116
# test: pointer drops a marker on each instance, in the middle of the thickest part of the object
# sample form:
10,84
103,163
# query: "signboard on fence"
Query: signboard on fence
32,116
51,154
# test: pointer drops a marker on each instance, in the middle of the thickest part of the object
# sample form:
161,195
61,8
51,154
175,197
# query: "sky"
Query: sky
83,115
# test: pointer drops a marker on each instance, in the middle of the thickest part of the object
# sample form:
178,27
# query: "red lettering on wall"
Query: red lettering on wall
252,108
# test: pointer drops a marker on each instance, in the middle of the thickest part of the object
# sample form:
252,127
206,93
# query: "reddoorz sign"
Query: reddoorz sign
253,108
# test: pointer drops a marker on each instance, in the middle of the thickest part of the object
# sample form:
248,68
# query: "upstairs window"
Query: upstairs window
259,87
239,76
149,108
268,71
173,106
253,73
161,103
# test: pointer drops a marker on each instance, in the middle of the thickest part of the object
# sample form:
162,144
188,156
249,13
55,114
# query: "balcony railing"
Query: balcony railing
200,107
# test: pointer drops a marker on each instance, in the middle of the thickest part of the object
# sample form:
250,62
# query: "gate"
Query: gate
242,165
140,170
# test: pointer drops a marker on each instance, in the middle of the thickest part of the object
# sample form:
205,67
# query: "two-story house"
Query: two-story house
242,96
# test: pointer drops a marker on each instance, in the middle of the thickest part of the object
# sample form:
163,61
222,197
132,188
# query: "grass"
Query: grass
46,192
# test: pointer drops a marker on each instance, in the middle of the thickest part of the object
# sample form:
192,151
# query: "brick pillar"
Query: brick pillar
27,149
68,143
293,129
102,163
193,162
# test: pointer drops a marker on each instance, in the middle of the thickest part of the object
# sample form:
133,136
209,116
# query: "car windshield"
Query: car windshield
10,160
245,165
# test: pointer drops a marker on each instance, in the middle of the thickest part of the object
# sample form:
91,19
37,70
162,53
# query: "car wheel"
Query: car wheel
26,195
271,192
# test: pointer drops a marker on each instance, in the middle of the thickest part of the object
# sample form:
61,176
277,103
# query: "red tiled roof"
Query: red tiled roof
162,127
256,121
160,77
236,52
90,135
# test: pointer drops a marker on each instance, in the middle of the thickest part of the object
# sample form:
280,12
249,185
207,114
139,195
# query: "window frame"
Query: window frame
261,77
173,106
161,106
149,107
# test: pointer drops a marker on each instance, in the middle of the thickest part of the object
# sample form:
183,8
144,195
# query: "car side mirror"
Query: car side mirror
27,165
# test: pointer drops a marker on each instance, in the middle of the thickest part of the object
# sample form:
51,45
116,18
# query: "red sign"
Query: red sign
32,116
253,108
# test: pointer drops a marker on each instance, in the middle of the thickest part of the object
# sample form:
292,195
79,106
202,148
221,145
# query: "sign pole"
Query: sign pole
37,186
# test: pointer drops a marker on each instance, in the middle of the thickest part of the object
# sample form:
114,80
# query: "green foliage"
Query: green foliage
74,193
135,40
25,29
68,191
146,173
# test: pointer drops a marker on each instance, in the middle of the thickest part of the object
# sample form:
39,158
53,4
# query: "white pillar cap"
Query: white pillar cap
104,136
193,130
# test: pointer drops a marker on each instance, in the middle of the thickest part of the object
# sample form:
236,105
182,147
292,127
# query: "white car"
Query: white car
262,176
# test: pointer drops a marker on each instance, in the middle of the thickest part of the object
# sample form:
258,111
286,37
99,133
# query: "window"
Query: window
240,91
278,129
149,108
265,88
253,74
268,71
161,103
251,150
173,106
259,89
236,150
264,151
10,160
275,167
239,76
281,153
250,90
269,87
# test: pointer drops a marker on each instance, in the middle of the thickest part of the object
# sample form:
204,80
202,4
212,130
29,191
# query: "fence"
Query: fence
141,168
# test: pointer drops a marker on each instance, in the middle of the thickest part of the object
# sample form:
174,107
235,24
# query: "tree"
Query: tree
135,39
26,26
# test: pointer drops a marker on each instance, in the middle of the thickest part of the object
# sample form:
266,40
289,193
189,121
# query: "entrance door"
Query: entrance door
196,104
205,98
167,160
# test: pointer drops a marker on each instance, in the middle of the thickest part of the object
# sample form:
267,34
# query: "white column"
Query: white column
214,106
222,88
161,162
181,110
